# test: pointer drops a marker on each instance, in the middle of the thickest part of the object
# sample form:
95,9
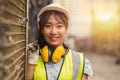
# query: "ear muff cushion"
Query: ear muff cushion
44,53
59,51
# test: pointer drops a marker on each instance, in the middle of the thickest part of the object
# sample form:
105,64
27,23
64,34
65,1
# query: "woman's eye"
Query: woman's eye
59,26
47,26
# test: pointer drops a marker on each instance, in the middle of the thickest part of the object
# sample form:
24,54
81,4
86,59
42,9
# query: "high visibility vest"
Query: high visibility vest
72,68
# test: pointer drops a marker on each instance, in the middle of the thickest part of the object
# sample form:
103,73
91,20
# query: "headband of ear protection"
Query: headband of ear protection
56,55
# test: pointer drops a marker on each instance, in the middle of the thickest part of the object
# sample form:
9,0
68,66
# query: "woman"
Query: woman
53,60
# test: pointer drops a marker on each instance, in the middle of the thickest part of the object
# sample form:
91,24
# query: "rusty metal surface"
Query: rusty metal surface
13,39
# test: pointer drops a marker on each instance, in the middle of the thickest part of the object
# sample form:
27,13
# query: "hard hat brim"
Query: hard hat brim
55,7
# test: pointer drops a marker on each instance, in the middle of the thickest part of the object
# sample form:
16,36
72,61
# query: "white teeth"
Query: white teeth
53,38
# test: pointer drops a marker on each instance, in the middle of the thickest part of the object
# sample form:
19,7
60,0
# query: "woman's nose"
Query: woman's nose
53,30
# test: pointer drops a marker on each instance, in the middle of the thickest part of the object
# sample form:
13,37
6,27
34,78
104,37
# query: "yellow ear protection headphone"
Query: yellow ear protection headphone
58,53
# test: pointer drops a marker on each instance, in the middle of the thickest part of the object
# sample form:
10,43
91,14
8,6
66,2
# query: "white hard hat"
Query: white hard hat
53,6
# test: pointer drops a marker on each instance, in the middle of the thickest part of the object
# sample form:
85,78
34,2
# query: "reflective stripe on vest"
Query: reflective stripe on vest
78,65
72,67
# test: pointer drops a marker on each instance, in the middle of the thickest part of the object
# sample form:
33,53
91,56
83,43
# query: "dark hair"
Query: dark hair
43,20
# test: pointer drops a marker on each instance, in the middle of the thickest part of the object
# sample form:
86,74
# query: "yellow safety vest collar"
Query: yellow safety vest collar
71,69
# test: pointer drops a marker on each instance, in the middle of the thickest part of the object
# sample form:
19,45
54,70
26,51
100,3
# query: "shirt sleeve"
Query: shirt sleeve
88,68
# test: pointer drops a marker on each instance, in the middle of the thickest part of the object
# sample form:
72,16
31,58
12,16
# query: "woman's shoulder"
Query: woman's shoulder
76,53
87,64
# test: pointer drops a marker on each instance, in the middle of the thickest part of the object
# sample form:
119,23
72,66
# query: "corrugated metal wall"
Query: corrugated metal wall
13,39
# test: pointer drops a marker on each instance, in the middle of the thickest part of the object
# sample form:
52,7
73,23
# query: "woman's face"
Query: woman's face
54,31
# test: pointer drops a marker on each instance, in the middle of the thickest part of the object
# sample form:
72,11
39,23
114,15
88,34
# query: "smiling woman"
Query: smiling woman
53,60
54,30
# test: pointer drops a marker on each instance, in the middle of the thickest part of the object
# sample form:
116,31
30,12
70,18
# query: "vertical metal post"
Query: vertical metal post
26,54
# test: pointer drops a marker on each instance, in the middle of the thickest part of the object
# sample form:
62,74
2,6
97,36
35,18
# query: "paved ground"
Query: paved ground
104,67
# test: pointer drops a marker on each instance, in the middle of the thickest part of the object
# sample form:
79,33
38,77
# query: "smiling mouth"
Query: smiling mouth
53,38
